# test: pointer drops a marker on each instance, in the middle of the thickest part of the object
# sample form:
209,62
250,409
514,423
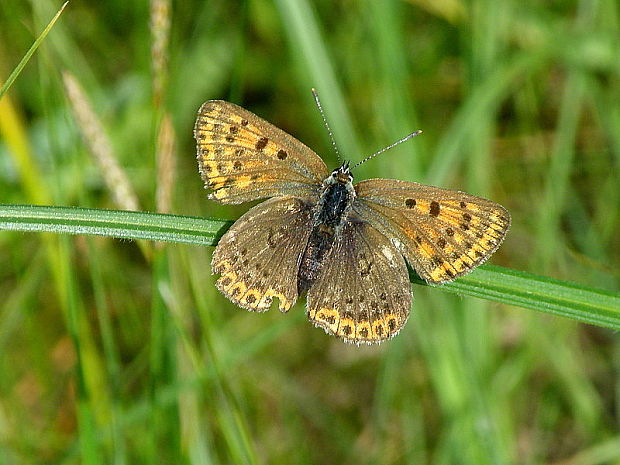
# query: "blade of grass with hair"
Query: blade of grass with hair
562,298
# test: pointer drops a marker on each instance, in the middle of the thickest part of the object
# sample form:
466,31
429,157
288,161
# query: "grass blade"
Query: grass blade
112,223
300,24
20,66
563,298
548,295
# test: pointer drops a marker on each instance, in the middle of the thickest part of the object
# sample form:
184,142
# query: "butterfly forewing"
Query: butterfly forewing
442,233
242,157
258,256
362,294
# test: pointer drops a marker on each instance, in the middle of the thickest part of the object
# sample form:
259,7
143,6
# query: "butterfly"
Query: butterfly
346,245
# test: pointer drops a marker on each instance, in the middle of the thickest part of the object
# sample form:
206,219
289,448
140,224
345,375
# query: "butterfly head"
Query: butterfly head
342,175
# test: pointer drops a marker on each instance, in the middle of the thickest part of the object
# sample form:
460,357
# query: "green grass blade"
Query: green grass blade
563,298
306,41
484,99
113,223
557,187
548,295
21,65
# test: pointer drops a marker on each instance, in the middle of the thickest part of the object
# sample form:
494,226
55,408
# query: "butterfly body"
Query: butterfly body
331,212
344,245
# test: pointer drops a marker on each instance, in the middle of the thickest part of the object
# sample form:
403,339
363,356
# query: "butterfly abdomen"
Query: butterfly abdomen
331,212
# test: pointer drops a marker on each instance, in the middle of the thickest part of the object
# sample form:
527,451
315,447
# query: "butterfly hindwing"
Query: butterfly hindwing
243,157
362,294
442,233
258,256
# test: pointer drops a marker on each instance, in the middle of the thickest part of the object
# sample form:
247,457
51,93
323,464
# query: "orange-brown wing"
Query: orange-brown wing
442,233
363,293
243,157
259,255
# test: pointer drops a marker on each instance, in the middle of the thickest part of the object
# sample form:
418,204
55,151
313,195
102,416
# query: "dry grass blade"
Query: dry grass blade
160,33
166,164
99,145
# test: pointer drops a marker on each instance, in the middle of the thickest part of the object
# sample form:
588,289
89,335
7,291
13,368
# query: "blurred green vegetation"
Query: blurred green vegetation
123,352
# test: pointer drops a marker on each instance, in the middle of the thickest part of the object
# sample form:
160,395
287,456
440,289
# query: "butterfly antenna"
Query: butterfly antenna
404,139
331,135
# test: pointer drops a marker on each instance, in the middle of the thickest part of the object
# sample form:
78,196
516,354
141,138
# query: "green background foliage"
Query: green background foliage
123,352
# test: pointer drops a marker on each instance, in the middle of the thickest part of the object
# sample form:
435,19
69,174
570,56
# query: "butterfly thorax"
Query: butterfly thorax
330,214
